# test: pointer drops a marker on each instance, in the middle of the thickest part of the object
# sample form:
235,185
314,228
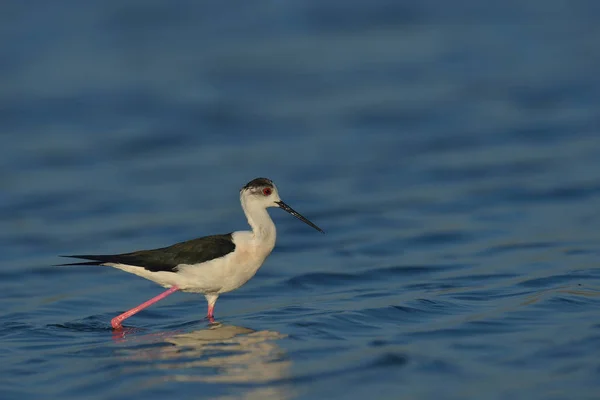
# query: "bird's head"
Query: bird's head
262,193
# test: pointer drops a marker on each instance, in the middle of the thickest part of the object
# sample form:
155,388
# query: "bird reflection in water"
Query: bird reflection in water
219,354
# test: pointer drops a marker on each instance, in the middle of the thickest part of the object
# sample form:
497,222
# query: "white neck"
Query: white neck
262,225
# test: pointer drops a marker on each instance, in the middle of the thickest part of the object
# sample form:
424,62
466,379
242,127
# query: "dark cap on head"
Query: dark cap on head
258,182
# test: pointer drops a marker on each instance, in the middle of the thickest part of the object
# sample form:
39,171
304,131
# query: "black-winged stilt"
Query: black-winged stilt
210,265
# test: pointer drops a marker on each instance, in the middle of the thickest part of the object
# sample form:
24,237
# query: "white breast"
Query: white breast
227,273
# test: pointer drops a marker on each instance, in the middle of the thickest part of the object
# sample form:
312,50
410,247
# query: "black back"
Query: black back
193,251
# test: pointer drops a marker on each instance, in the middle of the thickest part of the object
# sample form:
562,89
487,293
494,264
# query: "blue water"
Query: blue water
450,150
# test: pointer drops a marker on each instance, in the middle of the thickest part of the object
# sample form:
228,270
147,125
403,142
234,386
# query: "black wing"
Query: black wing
194,251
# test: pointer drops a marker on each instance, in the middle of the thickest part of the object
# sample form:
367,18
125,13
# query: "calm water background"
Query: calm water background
450,150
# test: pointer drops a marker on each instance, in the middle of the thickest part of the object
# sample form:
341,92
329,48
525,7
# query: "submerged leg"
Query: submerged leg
211,299
116,321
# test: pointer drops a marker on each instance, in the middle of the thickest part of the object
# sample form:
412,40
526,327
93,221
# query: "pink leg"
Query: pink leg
211,299
210,315
116,321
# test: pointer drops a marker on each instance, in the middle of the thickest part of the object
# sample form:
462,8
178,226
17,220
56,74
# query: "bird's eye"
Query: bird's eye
267,191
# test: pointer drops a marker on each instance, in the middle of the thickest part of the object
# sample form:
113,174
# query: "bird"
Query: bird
209,265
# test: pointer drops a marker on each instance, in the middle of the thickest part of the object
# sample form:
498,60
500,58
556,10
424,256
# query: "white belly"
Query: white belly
221,275
217,276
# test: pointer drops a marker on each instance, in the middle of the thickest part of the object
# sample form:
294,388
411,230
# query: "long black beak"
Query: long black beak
296,214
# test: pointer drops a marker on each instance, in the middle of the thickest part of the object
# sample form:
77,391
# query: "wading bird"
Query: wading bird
211,265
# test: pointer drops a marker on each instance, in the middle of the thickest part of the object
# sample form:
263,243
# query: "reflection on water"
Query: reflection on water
219,354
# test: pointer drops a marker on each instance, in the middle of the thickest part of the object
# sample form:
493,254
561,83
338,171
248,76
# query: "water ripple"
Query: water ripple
451,154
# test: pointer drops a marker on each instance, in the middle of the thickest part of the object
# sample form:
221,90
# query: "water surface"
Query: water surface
450,151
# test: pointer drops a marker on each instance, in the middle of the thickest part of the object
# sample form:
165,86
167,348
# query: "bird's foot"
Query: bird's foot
210,314
116,323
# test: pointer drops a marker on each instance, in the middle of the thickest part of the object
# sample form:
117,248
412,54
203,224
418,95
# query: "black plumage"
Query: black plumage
193,251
